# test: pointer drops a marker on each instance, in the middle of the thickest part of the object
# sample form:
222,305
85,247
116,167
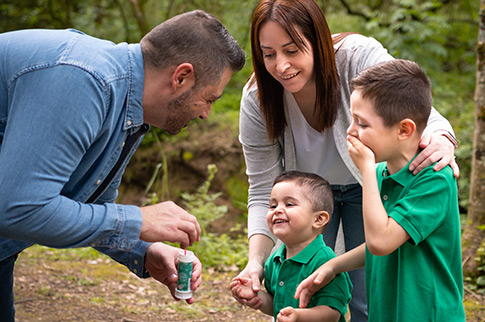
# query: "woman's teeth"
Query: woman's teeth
289,76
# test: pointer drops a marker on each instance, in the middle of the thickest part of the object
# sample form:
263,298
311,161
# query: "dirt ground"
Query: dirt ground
54,286
51,287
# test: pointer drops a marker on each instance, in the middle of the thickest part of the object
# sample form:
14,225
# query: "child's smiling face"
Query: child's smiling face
291,216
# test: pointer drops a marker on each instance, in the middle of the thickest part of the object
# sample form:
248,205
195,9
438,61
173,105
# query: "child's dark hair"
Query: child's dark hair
319,190
398,89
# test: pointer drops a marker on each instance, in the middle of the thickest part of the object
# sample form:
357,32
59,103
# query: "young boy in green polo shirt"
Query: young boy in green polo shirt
299,210
411,222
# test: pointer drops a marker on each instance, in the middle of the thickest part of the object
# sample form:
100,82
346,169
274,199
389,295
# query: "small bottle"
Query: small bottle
183,290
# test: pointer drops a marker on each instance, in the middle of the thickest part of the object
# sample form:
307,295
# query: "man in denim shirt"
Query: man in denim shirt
73,109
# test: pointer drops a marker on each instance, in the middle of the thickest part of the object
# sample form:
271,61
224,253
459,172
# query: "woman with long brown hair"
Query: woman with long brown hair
295,111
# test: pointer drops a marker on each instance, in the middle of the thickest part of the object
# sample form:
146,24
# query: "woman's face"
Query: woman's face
289,65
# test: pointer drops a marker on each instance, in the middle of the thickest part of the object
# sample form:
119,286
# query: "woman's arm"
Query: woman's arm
263,162
259,249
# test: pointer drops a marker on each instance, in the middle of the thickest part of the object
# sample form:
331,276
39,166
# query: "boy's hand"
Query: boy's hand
287,314
313,283
360,154
253,272
241,287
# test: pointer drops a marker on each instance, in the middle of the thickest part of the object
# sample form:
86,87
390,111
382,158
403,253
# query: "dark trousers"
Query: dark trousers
7,309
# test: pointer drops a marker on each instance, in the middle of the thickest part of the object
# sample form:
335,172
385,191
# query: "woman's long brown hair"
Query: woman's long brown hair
298,18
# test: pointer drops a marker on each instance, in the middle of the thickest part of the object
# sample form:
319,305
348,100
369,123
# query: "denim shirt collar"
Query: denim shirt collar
134,108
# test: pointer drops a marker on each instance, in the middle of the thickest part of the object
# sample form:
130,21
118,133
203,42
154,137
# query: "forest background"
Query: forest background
202,168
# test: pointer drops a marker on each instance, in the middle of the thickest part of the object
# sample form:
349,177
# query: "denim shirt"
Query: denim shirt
68,102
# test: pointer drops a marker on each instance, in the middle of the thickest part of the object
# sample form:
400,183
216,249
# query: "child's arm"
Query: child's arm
348,261
317,314
383,235
241,286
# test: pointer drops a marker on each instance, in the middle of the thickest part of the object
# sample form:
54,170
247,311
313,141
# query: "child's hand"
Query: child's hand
254,272
241,288
287,314
313,283
360,153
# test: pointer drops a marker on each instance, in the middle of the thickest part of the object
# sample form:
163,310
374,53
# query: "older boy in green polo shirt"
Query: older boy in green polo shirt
412,228
298,213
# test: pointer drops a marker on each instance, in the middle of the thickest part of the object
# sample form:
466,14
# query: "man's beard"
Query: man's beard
179,112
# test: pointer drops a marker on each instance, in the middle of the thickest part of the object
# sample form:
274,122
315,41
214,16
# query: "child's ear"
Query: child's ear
321,219
407,128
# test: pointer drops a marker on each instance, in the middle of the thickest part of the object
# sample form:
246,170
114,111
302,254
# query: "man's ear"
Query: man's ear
407,128
183,77
321,219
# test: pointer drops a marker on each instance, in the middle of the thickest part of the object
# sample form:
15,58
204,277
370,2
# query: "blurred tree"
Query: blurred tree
473,235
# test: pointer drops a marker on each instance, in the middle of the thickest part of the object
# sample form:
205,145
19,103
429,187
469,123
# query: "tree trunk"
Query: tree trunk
473,235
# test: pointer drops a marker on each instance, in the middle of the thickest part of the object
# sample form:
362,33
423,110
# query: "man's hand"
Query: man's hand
251,276
161,263
436,148
168,222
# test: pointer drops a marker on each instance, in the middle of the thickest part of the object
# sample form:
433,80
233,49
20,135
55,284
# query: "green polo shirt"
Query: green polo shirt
422,280
282,276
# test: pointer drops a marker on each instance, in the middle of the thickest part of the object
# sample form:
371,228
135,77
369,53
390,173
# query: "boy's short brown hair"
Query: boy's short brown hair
319,190
399,89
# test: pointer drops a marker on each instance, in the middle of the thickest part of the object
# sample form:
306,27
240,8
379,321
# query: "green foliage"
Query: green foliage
202,205
213,250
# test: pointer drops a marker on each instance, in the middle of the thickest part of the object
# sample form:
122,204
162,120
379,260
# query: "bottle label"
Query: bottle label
184,276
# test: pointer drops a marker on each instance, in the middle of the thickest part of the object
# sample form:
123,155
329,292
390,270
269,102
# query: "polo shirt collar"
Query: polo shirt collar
402,177
134,108
305,255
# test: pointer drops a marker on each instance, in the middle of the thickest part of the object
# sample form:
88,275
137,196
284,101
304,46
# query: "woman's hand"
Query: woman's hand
436,148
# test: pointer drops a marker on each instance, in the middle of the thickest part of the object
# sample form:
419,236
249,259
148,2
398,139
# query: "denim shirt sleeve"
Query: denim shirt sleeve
44,141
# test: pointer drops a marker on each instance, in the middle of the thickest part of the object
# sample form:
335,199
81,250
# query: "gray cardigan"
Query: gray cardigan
266,159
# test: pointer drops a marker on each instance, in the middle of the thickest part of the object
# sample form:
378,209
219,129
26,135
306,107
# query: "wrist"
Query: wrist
449,136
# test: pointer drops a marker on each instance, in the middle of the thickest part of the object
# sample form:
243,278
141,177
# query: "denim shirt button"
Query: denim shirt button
135,261
98,182
128,122
135,270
